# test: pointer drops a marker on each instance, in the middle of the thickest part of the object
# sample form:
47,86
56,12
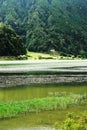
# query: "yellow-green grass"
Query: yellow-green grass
14,108
36,55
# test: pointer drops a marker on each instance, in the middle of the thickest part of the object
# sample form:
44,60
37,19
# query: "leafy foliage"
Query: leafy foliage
10,43
49,24
74,122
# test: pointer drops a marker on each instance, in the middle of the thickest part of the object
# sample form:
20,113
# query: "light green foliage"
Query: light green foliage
73,122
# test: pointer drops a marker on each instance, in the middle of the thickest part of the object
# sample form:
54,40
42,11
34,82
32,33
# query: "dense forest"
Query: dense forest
48,24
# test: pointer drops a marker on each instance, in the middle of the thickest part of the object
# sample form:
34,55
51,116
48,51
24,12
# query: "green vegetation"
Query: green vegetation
51,55
45,25
36,55
73,122
39,56
10,43
60,101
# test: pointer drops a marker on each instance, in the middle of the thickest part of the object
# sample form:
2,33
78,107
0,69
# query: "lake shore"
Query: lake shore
26,72
21,80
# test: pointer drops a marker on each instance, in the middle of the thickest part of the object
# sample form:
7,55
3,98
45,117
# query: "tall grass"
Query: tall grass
14,108
10,109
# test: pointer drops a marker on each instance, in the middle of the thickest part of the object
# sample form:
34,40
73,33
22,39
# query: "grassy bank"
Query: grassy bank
51,55
12,109
39,56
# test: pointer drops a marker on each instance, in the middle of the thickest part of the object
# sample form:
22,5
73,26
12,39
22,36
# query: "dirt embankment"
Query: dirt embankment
18,80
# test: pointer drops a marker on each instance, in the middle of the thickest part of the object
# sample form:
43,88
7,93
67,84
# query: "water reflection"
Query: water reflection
39,91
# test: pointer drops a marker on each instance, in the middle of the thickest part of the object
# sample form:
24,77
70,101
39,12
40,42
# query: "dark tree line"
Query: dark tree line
49,24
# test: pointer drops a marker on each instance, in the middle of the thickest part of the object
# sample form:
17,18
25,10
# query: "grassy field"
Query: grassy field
52,55
37,55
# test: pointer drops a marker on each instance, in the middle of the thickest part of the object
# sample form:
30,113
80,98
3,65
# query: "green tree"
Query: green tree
11,44
48,24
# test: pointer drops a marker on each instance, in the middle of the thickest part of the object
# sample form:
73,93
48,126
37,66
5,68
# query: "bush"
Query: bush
73,122
10,43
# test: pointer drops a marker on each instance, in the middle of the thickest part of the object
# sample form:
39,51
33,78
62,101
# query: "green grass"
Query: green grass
37,55
10,109
14,108
55,55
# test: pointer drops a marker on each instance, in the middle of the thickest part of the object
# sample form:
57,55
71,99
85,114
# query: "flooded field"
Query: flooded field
44,120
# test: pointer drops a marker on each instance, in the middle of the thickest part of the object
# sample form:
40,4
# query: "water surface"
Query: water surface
44,120
39,91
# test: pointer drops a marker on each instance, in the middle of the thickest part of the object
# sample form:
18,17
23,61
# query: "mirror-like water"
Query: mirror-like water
43,119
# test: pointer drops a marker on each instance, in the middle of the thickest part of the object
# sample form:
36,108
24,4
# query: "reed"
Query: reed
14,108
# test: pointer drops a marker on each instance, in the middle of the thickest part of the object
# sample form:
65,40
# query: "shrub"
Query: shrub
10,43
73,122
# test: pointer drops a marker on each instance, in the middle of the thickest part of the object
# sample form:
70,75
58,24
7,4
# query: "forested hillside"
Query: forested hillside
49,24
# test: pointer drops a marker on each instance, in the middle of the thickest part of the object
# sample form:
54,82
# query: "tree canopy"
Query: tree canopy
11,44
48,24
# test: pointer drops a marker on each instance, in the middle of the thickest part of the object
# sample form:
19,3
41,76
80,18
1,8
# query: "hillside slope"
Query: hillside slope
49,24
